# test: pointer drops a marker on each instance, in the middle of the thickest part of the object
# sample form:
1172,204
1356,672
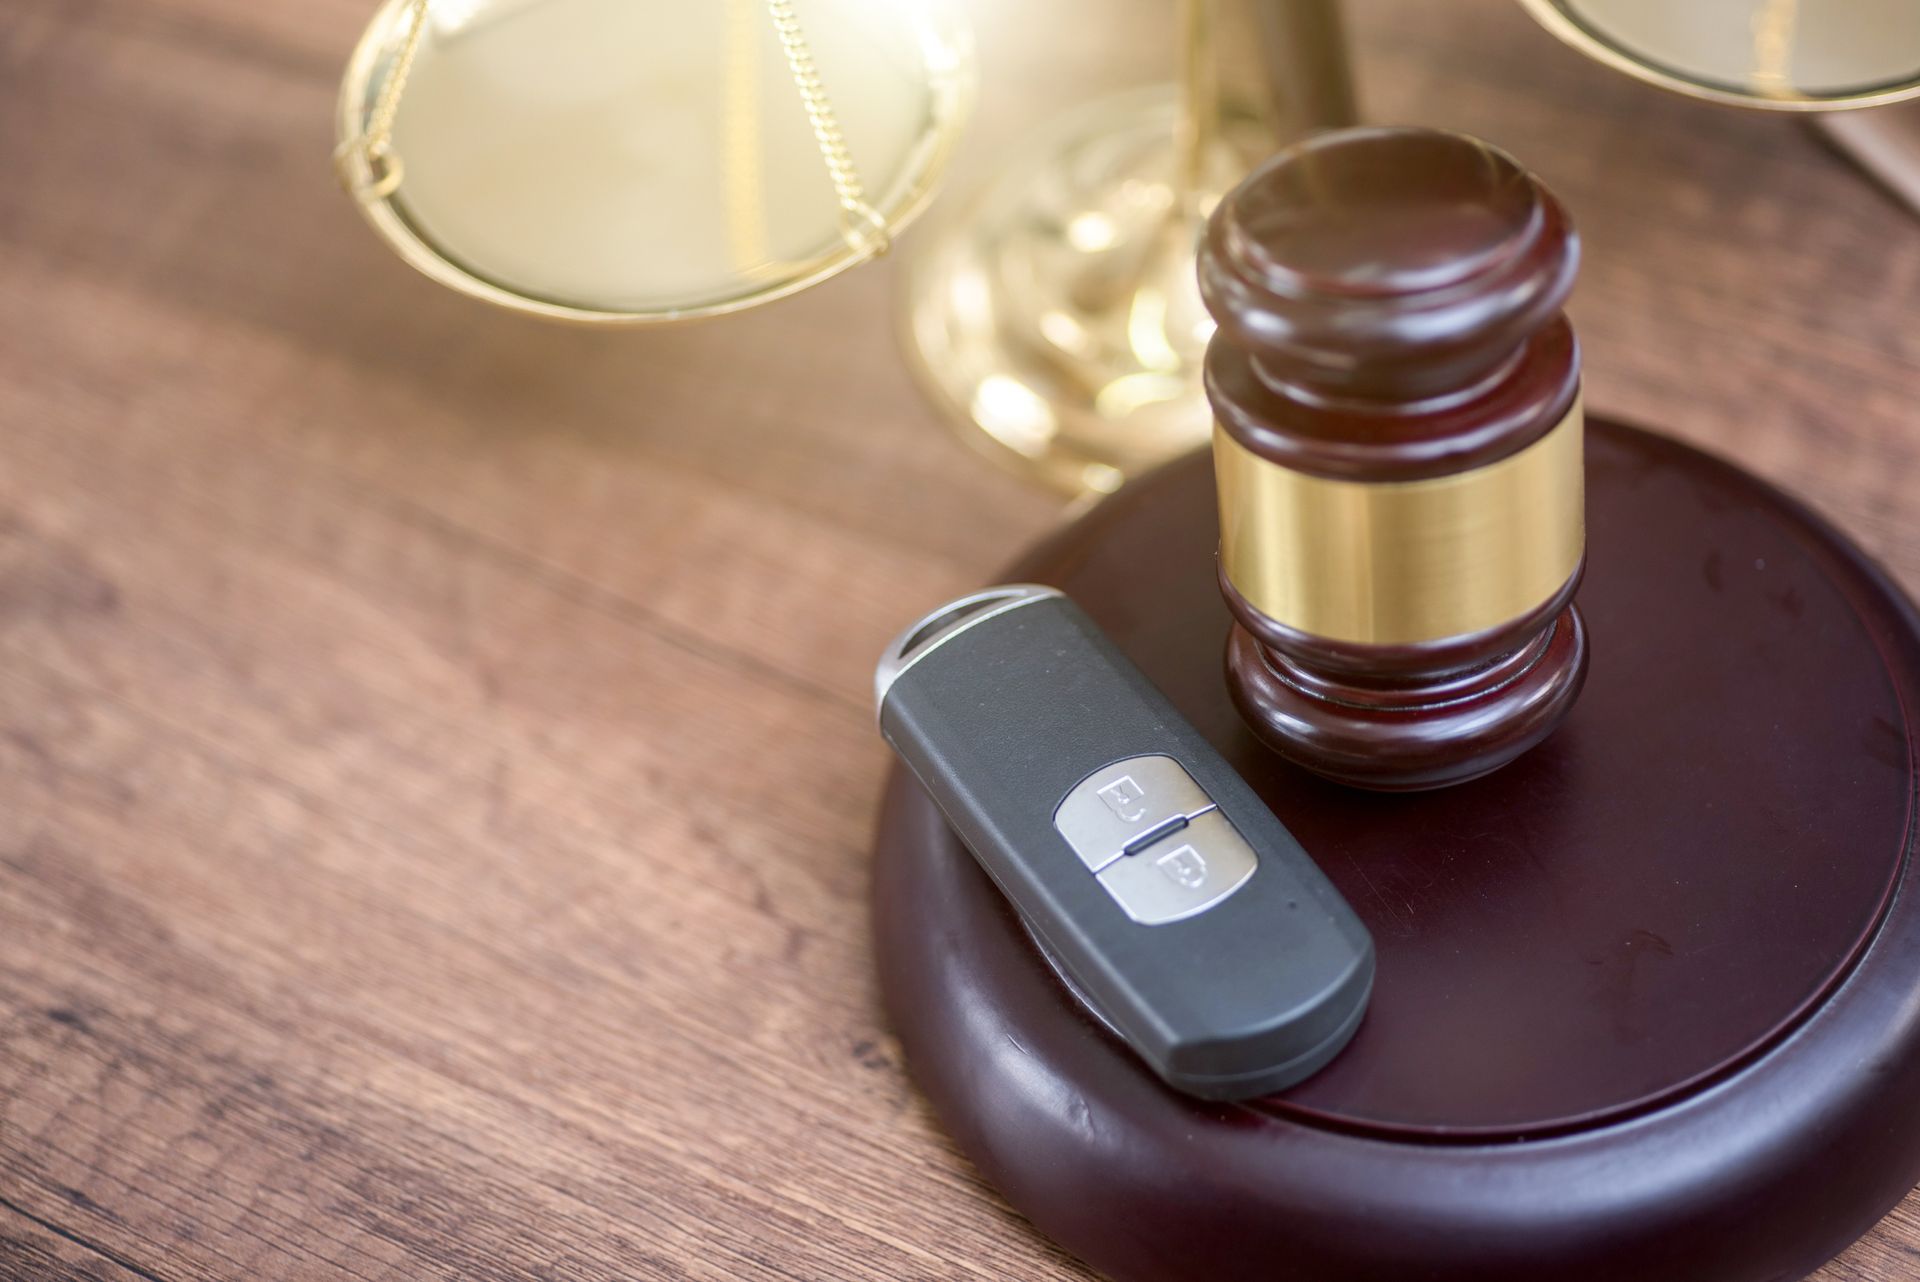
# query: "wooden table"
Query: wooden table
436,767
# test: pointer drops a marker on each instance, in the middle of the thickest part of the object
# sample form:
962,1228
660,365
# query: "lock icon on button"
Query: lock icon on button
1125,798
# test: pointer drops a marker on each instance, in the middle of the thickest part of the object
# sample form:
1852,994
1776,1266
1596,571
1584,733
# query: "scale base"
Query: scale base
1648,1002
1056,320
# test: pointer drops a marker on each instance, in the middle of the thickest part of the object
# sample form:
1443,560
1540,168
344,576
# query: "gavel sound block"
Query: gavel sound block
1646,995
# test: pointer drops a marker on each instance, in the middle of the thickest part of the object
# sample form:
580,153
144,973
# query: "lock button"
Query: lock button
1119,804
1182,874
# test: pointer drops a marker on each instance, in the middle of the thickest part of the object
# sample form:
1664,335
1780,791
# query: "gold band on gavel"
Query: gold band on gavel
1401,562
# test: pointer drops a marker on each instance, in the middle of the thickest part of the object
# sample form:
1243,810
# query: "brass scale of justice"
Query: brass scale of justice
514,150
612,163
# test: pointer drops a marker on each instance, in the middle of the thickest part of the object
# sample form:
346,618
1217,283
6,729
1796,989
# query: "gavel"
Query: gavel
1398,455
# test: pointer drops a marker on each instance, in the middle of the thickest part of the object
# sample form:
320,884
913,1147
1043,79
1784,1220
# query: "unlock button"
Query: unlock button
1182,874
1184,866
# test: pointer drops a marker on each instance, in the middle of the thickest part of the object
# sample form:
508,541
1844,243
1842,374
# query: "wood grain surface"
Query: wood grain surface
436,769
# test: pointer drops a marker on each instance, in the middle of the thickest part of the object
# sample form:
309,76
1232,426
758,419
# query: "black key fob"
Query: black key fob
1154,877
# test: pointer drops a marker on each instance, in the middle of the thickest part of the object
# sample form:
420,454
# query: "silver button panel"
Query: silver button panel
1155,839
1183,873
1117,805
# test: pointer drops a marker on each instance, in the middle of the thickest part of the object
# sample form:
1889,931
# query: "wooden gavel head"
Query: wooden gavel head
1398,454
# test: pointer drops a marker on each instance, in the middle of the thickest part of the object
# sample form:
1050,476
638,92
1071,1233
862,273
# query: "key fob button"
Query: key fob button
1183,874
1119,803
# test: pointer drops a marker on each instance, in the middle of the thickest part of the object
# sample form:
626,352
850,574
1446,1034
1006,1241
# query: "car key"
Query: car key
1157,881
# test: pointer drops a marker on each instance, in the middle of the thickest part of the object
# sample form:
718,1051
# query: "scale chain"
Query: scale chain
861,224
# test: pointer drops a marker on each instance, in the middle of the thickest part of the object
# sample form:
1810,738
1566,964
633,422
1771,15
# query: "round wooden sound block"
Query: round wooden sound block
1648,1002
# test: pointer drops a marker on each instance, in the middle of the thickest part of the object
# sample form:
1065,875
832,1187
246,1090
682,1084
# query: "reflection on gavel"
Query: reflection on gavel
1398,454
